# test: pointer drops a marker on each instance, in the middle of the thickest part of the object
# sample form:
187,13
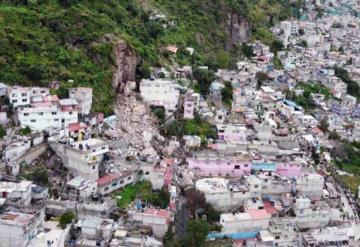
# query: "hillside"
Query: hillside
46,40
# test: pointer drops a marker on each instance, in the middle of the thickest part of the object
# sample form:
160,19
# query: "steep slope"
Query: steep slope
77,42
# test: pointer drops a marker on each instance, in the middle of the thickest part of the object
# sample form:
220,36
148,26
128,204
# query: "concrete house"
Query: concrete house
83,158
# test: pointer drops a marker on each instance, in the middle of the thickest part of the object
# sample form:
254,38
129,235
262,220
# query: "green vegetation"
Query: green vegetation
196,233
277,63
39,175
25,131
347,157
323,124
352,182
260,78
315,88
72,41
143,191
247,50
303,43
195,126
66,219
305,100
353,87
2,131
276,46
204,79
159,112
226,93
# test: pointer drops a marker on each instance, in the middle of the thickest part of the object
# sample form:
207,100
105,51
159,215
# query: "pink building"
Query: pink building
289,169
212,164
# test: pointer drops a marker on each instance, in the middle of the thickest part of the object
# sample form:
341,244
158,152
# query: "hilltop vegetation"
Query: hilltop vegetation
46,40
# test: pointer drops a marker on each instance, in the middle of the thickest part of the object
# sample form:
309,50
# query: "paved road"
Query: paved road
355,224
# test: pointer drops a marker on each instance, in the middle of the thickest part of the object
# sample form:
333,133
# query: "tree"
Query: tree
40,176
196,233
223,59
163,198
276,46
65,219
168,239
204,79
323,125
261,77
315,156
247,50
303,43
333,135
25,131
2,132
226,93
159,112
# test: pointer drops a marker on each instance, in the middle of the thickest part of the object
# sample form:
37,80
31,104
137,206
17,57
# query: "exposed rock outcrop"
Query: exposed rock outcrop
126,61
238,28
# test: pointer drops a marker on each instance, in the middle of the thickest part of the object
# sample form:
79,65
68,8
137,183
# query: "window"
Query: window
33,120
93,167
246,165
121,182
94,150
56,120
129,178
70,112
14,101
53,113
114,184
26,114
147,173
277,237
103,147
41,113
23,95
256,186
237,167
106,188
24,100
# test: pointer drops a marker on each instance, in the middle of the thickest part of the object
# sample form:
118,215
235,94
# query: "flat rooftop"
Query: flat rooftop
15,218
211,155
11,186
220,185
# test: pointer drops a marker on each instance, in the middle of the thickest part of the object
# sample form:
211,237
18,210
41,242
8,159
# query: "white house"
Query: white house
3,89
232,133
79,187
252,220
160,93
19,193
310,185
19,96
83,96
47,115
17,229
83,158
310,215
114,181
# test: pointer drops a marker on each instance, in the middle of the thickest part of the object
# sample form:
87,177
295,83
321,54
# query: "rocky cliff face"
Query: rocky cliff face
126,61
238,28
